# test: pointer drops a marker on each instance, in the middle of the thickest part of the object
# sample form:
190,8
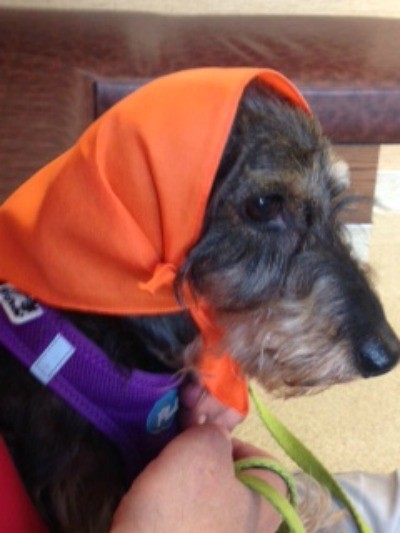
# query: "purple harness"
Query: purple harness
135,410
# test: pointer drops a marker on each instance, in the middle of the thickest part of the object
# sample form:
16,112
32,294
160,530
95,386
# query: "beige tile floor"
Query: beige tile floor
356,426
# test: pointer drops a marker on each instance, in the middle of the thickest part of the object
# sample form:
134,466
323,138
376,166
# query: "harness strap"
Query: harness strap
136,410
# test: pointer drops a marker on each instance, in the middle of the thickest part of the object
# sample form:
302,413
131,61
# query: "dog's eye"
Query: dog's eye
264,208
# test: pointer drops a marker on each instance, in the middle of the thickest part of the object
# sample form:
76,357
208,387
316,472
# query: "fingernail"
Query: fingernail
202,419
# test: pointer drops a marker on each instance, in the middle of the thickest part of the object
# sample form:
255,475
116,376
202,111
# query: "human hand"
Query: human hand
191,487
198,406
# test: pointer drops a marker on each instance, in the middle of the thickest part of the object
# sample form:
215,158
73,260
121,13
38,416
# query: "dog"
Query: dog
272,261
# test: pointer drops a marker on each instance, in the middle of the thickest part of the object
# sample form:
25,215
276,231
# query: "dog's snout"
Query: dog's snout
379,353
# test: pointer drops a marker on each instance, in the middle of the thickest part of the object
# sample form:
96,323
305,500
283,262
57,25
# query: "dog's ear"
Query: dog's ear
339,174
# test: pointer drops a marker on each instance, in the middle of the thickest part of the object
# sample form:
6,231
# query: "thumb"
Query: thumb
206,443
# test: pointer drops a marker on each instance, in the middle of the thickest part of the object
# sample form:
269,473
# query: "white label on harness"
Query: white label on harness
51,361
19,308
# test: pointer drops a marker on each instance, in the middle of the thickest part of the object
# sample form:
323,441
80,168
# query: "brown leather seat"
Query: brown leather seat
59,70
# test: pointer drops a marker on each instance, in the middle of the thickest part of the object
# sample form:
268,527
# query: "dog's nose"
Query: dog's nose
379,353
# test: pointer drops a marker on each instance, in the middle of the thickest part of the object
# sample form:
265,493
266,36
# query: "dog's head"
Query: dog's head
273,260
110,225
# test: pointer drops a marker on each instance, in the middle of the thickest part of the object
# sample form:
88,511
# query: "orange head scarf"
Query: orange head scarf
106,226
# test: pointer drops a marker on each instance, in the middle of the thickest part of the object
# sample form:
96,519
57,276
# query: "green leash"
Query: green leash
305,460
287,509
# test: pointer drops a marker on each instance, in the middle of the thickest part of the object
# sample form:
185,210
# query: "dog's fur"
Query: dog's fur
272,260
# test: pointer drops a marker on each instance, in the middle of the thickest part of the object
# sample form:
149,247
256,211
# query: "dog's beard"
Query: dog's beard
287,349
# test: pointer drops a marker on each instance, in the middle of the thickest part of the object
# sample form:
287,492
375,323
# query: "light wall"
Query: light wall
373,8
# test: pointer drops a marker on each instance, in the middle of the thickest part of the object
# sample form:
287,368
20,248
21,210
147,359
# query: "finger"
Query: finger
199,407
188,467
206,443
244,450
191,394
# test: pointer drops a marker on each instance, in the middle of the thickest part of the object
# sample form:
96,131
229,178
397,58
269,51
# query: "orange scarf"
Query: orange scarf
106,226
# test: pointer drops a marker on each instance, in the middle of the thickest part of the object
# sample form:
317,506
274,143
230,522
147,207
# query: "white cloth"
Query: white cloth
377,498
